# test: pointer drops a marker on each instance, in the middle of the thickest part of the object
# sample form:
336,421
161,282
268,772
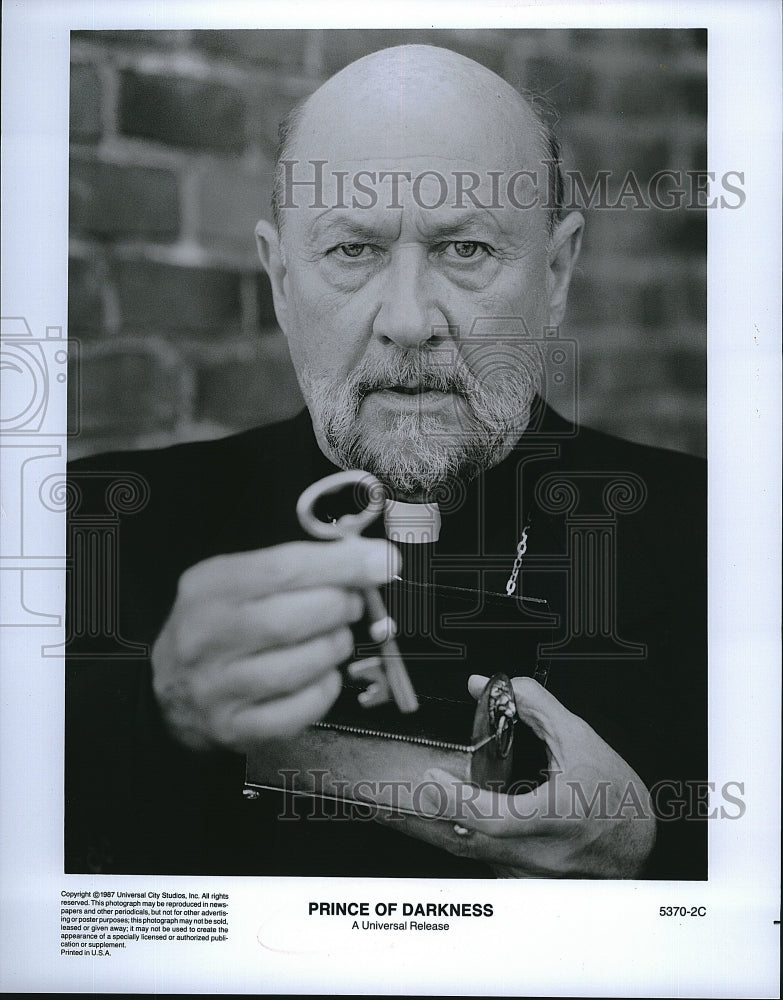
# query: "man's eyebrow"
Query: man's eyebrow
470,223
346,225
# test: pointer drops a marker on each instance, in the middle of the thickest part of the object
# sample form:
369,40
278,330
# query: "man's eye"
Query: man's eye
468,248
352,249
465,248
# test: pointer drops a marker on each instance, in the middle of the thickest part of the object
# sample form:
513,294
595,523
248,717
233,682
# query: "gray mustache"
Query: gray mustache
442,378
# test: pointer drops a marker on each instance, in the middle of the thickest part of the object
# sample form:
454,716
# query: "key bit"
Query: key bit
370,671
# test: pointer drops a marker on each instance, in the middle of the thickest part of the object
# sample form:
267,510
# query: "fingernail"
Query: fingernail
382,561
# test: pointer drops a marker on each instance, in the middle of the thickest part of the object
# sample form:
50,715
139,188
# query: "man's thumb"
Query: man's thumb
547,717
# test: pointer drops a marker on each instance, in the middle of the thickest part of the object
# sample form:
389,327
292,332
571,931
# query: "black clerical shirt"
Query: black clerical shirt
616,547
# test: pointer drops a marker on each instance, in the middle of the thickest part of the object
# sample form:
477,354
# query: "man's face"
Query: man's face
397,290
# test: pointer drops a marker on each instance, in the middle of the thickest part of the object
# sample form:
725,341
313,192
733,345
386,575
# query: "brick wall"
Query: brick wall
173,135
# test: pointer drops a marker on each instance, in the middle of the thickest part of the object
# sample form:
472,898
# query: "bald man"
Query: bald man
416,259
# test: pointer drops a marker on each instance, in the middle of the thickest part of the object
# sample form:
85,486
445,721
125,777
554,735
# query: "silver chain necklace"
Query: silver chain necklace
511,586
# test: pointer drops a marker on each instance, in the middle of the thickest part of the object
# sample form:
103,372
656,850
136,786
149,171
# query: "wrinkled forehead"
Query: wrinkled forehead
429,151
431,196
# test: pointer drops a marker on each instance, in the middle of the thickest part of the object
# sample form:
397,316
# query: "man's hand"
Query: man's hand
251,648
553,830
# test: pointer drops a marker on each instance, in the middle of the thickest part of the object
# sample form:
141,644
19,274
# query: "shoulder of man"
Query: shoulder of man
583,445
172,507
269,442
191,477
668,484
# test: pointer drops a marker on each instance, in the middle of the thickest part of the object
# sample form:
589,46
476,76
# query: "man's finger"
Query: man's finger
476,685
282,718
519,857
529,813
280,671
286,619
549,719
355,562
439,834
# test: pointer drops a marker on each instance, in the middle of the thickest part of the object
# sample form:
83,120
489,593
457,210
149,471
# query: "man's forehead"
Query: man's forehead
414,128
381,218
431,137
417,101
450,202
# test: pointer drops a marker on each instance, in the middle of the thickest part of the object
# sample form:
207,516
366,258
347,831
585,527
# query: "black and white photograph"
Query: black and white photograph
383,432
416,257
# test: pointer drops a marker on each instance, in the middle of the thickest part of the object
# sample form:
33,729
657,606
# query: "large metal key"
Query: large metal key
386,673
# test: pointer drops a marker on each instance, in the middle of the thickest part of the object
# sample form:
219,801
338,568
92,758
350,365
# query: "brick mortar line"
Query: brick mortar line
248,304
193,64
110,296
187,254
602,51
109,98
635,127
189,208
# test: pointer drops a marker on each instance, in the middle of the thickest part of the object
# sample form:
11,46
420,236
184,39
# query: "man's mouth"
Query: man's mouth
414,389
408,390
419,391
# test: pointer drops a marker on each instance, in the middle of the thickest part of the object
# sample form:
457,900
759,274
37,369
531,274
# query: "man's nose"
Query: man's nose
407,315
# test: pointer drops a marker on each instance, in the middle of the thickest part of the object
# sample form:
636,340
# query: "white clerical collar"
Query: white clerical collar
415,523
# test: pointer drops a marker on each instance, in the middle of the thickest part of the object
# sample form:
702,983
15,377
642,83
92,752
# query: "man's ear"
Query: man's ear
271,257
564,246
